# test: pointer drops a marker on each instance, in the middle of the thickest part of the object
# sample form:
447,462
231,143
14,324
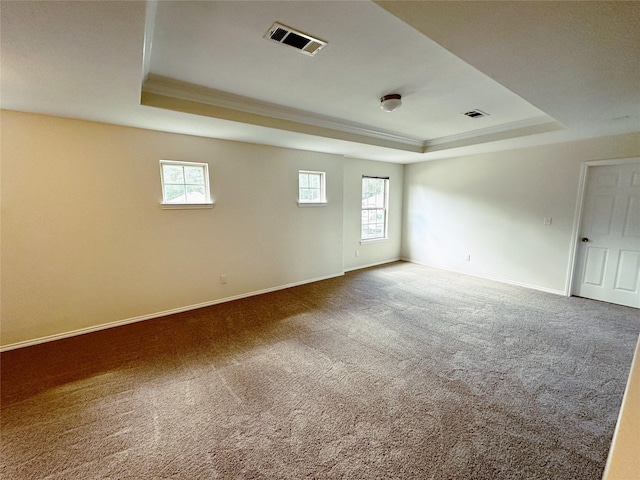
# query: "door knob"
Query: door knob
585,239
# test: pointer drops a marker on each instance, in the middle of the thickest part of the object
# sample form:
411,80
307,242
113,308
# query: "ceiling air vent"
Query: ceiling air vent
301,41
476,114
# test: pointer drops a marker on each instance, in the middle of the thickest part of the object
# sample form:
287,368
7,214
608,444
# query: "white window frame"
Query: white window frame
186,204
385,209
322,201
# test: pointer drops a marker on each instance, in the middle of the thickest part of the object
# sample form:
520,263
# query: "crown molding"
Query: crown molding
506,131
171,88
149,26
172,94
538,121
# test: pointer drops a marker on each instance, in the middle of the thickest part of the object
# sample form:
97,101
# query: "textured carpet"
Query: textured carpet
399,371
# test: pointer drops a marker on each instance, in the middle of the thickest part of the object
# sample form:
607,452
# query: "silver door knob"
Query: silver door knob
585,239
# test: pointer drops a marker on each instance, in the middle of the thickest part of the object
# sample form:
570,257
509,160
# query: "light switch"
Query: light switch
547,220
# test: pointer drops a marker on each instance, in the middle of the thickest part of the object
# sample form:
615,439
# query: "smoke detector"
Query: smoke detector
288,36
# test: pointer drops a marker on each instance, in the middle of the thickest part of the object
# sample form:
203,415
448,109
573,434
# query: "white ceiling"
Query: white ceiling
545,72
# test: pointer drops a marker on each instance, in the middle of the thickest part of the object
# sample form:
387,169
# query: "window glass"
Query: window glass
311,187
184,182
373,222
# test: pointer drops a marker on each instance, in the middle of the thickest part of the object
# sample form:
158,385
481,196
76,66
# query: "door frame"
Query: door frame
577,220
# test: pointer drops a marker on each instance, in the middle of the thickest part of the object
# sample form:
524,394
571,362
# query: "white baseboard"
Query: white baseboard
359,267
118,323
495,279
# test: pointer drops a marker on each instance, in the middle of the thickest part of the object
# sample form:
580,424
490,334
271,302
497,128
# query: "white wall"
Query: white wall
492,206
85,242
371,253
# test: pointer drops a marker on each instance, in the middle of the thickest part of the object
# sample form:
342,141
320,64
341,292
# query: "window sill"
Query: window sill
374,240
312,204
185,206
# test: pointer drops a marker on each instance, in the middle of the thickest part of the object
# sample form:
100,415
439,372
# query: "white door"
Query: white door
608,262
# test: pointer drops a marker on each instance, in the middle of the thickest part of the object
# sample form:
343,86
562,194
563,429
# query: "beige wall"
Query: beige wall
370,253
492,206
85,242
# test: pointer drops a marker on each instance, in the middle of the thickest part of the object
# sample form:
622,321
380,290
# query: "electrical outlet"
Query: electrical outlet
467,257
223,278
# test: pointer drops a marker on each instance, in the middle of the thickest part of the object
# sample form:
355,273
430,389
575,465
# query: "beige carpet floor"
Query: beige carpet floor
399,371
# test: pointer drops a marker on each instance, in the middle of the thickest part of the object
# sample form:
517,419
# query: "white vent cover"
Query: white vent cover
476,113
304,43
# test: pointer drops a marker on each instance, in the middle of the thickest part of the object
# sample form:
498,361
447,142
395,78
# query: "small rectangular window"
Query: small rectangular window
185,183
375,205
311,187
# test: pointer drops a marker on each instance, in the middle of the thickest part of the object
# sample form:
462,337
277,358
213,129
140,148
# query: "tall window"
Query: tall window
185,183
311,187
375,193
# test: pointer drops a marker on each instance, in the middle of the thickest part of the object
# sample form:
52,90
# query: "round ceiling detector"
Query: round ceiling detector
391,102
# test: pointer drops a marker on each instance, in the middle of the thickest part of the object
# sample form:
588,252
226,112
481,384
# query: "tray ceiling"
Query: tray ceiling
544,72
